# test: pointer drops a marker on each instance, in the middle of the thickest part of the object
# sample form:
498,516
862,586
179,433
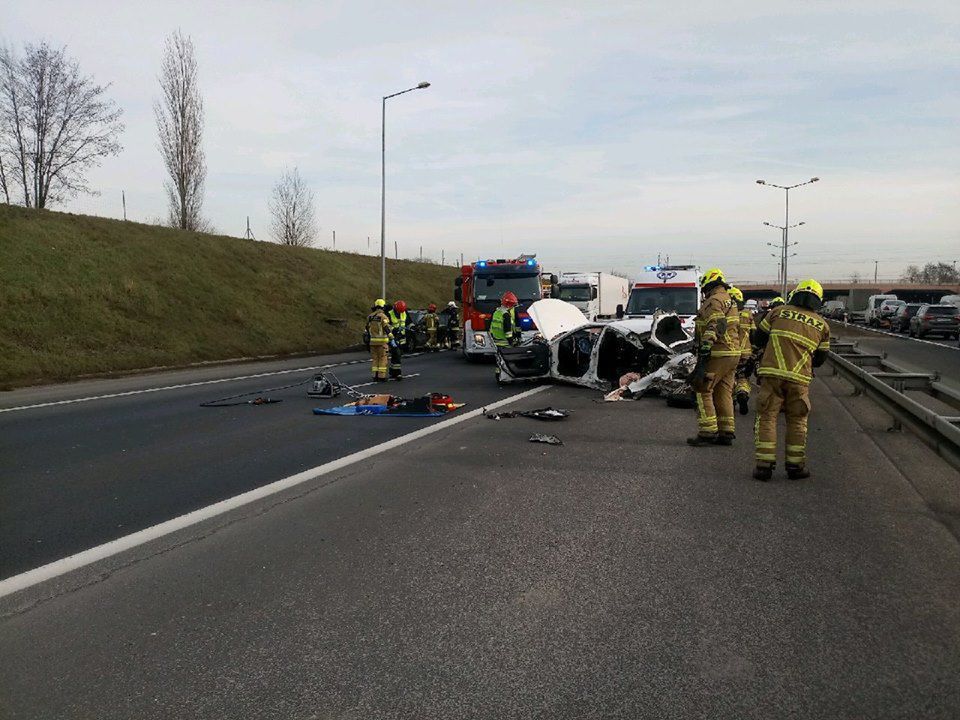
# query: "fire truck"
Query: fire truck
479,289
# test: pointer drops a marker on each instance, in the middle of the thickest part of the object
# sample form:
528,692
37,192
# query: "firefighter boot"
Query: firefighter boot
702,440
743,402
726,438
762,473
797,472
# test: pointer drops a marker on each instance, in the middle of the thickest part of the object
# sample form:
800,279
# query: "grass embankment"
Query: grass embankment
81,295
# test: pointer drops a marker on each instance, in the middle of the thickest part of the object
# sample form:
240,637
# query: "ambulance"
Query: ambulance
665,288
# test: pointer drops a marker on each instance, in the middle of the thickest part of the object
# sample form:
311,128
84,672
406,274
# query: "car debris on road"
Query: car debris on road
546,439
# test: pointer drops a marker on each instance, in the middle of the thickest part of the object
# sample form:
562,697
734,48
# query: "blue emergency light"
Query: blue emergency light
482,263
526,322
531,262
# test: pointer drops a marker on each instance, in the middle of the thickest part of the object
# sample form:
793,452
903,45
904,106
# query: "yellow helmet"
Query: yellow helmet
380,302
735,293
810,286
711,276
776,301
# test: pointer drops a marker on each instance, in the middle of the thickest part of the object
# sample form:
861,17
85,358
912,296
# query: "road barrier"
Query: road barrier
887,385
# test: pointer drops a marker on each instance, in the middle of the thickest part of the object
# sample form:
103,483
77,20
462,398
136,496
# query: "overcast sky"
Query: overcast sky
596,134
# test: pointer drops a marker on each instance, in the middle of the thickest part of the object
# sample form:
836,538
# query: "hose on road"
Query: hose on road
263,399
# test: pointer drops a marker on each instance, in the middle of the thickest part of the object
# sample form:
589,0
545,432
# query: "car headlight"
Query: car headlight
479,340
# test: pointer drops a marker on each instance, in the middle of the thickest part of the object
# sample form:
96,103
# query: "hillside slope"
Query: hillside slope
81,295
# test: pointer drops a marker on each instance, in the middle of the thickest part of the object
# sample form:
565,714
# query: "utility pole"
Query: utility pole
368,242
123,195
875,265
442,260
396,251
461,259
421,253
334,239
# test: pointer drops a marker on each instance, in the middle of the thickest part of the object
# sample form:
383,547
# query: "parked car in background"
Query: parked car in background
950,300
872,314
833,309
901,321
941,320
888,308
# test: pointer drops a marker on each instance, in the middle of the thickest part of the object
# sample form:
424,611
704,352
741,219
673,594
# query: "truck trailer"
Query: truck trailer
598,295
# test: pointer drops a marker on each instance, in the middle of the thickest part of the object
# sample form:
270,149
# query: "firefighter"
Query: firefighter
776,302
431,322
796,340
504,328
741,388
398,329
378,330
718,354
452,324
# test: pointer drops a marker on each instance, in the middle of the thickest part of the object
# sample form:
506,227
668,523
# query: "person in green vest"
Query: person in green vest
504,328
398,325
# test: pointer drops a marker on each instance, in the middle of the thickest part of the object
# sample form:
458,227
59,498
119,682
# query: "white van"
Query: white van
873,308
950,300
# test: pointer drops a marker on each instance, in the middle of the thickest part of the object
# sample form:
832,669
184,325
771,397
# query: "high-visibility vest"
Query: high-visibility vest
378,326
398,323
496,325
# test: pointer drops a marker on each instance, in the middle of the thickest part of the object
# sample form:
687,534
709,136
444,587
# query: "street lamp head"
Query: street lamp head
761,182
814,179
801,223
767,224
423,85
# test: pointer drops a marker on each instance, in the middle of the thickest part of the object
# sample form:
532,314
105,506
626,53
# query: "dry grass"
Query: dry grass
83,295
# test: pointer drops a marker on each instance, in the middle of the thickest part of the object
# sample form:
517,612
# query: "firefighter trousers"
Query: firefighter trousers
395,359
742,385
432,339
794,399
378,360
715,397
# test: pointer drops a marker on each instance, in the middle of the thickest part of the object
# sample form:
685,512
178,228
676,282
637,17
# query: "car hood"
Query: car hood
554,317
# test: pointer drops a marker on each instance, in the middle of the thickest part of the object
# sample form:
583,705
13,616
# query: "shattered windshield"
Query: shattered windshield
492,286
575,293
646,301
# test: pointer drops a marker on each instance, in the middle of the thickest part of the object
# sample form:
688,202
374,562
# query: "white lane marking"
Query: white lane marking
376,382
898,335
127,393
109,549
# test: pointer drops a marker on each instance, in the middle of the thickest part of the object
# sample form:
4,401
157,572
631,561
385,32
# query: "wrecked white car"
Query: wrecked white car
596,355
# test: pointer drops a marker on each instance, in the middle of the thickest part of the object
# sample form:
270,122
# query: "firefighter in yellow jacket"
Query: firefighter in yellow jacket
718,354
797,339
741,388
378,330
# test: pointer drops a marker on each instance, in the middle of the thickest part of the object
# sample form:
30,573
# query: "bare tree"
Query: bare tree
931,274
291,207
179,115
55,125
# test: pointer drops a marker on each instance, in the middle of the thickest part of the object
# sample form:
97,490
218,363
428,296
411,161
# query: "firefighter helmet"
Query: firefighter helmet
509,299
379,302
400,306
711,276
775,302
810,286
431,307
736,294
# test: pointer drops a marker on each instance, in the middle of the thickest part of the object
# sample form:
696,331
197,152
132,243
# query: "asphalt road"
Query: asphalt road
925,355
473,574
76,475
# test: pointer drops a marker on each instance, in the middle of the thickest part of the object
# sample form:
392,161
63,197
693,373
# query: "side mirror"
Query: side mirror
593,293
619,312
458,294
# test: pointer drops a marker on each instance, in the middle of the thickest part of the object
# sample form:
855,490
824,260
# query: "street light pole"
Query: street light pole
782,277
383,185
786,223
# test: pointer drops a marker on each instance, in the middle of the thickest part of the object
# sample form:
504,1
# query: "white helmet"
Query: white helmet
451,304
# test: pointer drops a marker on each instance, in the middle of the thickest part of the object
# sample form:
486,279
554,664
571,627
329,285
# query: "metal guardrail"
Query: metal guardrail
887,385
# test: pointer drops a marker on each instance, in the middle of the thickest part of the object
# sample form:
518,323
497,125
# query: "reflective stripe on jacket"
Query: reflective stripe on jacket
502,318
746,325
718,323
795,334
378,326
